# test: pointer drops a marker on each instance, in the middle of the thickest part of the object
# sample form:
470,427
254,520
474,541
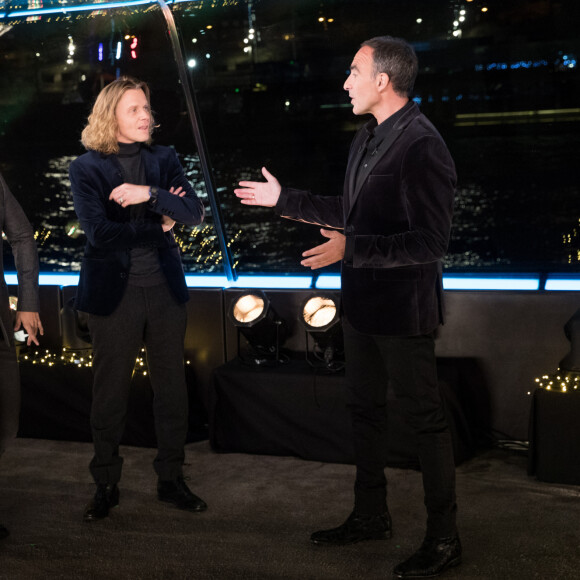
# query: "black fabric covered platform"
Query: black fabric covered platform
554,453
294,409
56,404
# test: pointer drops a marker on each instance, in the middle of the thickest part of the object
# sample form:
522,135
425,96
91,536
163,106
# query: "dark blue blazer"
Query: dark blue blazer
111,234
396,217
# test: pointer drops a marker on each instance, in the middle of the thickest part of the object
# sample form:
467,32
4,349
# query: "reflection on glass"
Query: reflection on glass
500,85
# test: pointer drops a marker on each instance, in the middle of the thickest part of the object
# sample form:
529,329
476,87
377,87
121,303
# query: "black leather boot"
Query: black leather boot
357,528
433,557
177,493
106,497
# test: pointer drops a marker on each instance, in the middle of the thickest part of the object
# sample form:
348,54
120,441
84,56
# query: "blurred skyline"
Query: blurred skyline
500,84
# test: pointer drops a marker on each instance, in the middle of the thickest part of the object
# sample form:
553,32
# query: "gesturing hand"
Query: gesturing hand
328,253
30,322
259,192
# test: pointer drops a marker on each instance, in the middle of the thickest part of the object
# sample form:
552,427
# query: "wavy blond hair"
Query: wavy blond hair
101,131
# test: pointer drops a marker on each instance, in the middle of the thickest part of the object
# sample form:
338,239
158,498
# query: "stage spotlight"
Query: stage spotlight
264,331
321,319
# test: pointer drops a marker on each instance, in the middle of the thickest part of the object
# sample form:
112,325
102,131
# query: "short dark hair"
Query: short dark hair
396,58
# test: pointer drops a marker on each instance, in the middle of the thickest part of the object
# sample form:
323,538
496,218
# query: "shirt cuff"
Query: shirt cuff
282,200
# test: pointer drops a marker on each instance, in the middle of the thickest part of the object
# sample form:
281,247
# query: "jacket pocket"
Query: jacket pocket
397,274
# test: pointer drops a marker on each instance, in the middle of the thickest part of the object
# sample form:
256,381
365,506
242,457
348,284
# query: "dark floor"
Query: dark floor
262,510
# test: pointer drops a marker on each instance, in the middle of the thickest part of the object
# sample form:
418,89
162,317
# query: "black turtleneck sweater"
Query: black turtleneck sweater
145,269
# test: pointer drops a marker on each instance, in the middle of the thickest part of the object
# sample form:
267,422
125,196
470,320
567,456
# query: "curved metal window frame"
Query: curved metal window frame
188,92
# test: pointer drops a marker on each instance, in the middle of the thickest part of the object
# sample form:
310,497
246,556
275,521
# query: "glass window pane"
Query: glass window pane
52,70
499,80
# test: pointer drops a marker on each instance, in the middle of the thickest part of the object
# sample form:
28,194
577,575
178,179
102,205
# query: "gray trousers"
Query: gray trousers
152,317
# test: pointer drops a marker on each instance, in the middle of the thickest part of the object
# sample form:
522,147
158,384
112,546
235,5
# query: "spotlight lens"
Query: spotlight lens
319,311
248,308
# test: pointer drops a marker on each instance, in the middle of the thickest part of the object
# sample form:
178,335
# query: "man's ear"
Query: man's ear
382,81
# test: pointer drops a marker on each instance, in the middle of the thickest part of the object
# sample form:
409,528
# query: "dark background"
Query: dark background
503,94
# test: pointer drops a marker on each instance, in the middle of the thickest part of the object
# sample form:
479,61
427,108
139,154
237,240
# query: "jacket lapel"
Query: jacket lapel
382,150
354,162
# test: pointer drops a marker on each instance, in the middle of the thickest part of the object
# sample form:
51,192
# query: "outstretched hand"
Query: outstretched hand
258,192
328,253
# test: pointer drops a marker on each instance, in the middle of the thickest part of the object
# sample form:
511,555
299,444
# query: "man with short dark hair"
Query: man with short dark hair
20,235
395,213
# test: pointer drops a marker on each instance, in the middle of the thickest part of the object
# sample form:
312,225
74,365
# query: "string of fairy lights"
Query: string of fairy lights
564,382
80,358
571,241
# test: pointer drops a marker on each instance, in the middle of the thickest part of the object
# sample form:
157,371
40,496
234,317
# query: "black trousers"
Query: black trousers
9,393
152,317
408,364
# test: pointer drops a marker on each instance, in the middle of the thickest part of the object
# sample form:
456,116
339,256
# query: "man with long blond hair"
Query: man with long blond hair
128,194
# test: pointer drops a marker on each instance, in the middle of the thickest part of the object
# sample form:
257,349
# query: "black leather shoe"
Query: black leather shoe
433,557
106,497
357,528
177,493
4,533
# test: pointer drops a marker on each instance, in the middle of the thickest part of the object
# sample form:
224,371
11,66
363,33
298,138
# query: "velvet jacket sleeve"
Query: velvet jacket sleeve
422,209
20,235
164,175
106,224
321,210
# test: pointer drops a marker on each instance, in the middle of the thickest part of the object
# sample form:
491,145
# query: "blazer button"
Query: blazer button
123,275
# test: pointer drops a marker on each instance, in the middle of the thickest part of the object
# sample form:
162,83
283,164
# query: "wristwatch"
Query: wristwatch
153,193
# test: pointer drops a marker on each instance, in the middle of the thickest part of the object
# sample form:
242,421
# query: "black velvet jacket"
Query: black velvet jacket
397,226
110,234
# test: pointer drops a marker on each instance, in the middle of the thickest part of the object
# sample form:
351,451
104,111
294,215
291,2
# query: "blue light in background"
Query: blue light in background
257,281
555,282
562,284
490,283
47,279
328,282
205,281
281,282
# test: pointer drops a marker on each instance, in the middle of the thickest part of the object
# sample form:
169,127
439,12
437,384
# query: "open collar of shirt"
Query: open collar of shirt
377,133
